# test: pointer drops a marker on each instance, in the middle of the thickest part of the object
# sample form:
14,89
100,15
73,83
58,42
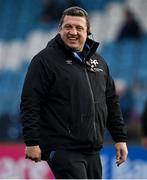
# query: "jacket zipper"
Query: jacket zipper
93,102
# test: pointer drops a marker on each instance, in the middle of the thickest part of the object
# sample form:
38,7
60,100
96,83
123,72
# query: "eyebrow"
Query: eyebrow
76,25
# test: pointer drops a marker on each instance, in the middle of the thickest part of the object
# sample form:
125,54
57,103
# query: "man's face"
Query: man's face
73,32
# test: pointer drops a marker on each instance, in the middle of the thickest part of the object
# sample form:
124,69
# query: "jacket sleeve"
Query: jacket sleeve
115,123
33,94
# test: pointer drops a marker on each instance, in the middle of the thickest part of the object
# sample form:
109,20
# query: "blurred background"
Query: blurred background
121,28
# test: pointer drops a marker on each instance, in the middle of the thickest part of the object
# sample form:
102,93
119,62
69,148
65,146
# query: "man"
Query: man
68,99
144,126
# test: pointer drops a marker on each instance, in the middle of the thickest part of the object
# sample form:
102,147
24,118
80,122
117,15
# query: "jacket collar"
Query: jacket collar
93,45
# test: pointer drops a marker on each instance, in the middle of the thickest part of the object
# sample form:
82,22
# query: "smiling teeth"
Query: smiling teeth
72,38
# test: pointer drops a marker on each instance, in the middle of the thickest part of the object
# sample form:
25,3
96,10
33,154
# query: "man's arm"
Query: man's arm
30,104
115,122
33,94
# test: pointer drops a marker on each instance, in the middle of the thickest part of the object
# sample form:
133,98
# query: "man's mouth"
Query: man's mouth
73,40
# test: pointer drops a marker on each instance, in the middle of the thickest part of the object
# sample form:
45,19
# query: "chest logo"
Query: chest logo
93,62
92,65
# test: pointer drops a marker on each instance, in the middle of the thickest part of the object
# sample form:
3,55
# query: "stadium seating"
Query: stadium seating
22,35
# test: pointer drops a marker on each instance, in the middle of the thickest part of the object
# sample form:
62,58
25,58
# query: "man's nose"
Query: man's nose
73,31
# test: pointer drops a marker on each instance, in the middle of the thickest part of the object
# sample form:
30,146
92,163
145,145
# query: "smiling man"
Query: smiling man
68,100
73,32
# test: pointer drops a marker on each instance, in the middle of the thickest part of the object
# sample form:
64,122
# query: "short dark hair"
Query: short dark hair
75,11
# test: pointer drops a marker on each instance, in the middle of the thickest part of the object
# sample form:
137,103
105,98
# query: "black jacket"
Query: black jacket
67,103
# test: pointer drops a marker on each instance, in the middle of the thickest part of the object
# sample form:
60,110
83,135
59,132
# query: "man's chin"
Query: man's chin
74,47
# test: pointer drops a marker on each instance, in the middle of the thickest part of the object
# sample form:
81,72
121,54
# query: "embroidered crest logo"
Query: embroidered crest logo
92,64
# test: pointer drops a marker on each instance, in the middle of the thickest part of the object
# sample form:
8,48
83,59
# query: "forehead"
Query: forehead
75,20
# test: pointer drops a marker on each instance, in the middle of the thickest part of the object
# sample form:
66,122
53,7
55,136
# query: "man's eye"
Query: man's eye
67,27
79,28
